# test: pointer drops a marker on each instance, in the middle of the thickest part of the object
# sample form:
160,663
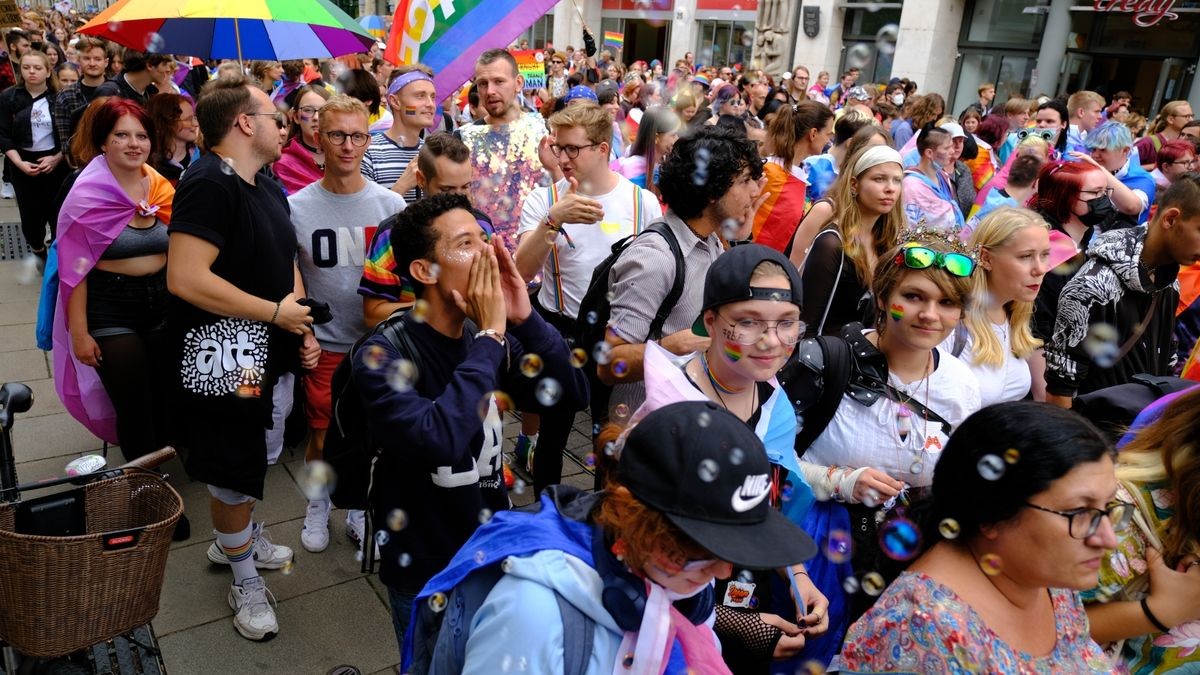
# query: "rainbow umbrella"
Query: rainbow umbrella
232,29
375,26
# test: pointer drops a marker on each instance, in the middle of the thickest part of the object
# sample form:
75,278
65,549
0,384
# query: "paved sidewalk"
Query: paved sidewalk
329,613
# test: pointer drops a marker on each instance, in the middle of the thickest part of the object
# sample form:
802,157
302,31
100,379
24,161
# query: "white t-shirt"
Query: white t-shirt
1009,381
593,243
859,435
43,126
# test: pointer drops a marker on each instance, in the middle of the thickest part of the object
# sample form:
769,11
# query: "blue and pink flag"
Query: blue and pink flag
448,35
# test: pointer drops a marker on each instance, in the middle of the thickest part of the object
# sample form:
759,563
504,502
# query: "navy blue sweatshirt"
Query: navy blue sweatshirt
440,461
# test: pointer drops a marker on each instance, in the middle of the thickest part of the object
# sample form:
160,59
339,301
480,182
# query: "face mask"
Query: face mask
898,99
1099,211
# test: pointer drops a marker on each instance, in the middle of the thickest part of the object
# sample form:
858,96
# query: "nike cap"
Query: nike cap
707,472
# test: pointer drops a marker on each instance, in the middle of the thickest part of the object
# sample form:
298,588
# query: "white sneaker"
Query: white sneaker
356,525
267,556
315,534
6,191
254,613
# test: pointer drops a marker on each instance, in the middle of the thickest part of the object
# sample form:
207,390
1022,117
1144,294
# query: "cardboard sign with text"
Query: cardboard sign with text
9,14
531,63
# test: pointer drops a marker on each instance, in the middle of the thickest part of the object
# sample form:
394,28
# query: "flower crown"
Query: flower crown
919,232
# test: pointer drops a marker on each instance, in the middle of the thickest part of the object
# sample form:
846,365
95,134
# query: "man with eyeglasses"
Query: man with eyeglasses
567,229
334,219
391,158
237,329
1132,186
1116,316
1167,125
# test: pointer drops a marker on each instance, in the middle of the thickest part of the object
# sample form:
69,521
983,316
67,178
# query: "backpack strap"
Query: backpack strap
555,269
919,408
661,228
822,372
837,279
578,635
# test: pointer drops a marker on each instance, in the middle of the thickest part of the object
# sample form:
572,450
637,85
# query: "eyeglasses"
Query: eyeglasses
556,62
749,331
1096,193
307,110
279,117
923,257
189,120
671,567
358,138
1046,134
1083,527
1186,162
1186,116
572,151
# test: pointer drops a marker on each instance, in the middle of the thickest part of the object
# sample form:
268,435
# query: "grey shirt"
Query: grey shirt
640,280
333,232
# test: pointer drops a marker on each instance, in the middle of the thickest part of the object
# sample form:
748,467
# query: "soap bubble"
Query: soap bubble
591,318
850,585
397,520
737,456
504,403
485,515
589,460
838,546
287,568
579,357
858,55
382,538
227,167
374,357
548,391
154,43
787,492
619,368
873,583
480,557
703,419
885,39
1101,344
990,564
531,365
900,539
991,467
747,39
437,602
82,265
420,311
949,528
708,470
730,229
401,375
317,479
435,271
602,352
621,411
404,560
114,26
1012,456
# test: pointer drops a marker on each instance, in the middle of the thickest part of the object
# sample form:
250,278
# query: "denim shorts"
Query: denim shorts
119,304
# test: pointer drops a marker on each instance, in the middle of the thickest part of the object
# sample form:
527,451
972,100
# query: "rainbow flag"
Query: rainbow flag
448,35
776,220
614,39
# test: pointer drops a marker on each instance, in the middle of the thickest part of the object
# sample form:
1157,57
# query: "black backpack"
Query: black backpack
815,380
346,447
596,308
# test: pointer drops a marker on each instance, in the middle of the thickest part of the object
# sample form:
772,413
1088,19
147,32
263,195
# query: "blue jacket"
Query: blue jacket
1134,177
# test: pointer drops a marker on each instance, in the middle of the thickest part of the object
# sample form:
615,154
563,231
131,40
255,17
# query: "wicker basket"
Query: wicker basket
61,594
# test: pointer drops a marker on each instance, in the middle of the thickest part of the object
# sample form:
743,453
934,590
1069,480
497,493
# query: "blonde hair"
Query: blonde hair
1081,99
994,231
1168,450
594,120
343,104
1160,120
848,218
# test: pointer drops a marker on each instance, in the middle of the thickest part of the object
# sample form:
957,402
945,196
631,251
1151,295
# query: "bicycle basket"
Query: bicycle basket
61,594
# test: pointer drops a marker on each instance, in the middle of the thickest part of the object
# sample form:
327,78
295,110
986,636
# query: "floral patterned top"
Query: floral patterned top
1177,651
920,626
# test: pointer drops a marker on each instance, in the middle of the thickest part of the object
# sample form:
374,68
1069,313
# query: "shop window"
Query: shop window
1010,72
1004,22
724,43
860,32
541,32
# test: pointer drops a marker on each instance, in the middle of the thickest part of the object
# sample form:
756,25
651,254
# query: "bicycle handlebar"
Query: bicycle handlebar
150,460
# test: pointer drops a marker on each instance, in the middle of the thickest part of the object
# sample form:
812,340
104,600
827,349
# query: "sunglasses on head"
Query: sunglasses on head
1045,134
919,257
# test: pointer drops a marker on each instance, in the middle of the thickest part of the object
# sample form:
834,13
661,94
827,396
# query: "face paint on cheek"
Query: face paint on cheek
733,351
410,111
897,312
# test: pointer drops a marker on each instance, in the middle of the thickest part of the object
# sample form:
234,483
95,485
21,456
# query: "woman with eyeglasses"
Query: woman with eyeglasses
1148,596
726,103
303,161
1020,517
175,131
1175,158
752,314
994,338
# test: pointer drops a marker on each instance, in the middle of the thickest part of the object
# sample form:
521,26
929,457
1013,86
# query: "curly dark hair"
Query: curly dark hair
412,233
701,168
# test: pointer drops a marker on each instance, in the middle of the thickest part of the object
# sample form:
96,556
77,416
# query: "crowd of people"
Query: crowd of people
828,338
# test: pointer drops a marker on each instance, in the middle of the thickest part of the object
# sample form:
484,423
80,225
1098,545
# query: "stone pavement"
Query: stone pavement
329,613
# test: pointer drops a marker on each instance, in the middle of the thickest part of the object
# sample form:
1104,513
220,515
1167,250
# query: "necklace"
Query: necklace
904,421
712,379
693,231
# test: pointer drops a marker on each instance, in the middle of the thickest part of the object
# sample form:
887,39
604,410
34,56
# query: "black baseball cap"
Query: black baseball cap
708,473
728,280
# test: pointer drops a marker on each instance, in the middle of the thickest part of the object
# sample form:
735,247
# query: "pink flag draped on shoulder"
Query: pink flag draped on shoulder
449,35
95,212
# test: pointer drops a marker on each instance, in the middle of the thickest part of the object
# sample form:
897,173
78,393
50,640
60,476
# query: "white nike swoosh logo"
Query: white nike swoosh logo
741,504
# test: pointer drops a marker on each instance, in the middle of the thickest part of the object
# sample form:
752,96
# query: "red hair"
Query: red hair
1174,150
110,112
1059,184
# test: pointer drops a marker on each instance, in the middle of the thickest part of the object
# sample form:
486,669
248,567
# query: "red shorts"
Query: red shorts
318,404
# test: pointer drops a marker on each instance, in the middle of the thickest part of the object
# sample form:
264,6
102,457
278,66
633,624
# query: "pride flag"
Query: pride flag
614,39
776,220
448,35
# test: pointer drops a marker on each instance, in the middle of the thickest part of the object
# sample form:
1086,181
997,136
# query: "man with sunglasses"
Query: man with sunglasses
567,229
237,329
334,219
1116,316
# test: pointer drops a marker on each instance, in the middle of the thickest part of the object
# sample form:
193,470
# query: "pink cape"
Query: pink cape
95,212
295,168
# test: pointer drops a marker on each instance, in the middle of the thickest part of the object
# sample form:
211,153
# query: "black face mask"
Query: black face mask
1099,210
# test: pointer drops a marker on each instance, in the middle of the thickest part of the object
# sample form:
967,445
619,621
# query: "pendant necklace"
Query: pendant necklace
904,420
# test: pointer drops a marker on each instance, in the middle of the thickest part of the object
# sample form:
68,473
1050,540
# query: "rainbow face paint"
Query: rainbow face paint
897,312
733,351
410,111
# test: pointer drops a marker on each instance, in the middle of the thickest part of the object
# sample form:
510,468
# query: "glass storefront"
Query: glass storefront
724,43
864,31
998,43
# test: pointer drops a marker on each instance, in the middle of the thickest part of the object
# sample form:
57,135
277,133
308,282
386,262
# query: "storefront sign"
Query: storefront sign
1146,13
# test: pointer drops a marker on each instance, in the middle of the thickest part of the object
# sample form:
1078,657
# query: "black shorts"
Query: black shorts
119,303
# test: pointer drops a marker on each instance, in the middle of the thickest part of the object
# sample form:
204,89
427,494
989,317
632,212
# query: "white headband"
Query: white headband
876,155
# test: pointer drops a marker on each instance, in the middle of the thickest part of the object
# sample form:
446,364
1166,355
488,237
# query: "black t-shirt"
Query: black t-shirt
835,299
251,226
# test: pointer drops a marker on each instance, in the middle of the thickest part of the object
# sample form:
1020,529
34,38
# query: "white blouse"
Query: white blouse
1009,381
859,435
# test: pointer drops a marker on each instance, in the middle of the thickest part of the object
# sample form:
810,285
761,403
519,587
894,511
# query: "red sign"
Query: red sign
1145,13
